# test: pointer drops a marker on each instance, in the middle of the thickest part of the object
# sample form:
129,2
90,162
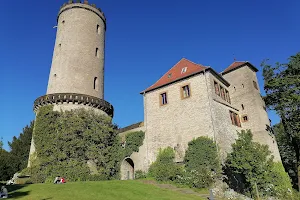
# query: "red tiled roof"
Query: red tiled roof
175,73
237,64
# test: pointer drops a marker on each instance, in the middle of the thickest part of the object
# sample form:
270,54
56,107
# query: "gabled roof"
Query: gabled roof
176,73
237,64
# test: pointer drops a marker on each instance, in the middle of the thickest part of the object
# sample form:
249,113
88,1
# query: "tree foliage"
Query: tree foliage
250,166
287,153
133,141
20,147
6,167
282,87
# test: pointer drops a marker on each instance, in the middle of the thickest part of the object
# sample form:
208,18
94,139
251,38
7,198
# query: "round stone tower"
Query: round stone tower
77,73
78,57
76,77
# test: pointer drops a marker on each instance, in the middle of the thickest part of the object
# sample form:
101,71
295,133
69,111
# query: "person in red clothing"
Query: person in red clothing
62,180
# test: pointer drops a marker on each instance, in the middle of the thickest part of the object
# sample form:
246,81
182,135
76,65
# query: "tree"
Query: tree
6,167
287,153
250,169
20,147
282,87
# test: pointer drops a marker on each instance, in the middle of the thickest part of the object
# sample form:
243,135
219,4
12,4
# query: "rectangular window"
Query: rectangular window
222,92
185,92
97,53
255,85
235,119
98,29
163,99
227,96
217,88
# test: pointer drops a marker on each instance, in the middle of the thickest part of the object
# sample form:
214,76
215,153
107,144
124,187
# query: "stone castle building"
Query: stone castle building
189,101
193,100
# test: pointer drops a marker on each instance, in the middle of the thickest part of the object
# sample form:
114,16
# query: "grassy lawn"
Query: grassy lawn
106,190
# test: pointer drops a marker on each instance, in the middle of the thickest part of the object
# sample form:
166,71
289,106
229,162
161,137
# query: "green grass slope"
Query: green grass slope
106,190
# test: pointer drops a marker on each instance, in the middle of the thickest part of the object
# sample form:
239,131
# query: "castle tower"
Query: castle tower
245,96
76,77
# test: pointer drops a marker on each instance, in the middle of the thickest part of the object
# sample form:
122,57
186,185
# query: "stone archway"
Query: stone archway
127,169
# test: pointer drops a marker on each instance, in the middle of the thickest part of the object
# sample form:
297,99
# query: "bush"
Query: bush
201,161
139,174
200,178
164,168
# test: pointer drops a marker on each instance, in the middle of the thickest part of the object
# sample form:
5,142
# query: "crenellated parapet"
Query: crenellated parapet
83,5
73,98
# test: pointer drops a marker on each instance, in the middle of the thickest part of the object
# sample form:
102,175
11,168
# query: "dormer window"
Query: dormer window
183,70
170,75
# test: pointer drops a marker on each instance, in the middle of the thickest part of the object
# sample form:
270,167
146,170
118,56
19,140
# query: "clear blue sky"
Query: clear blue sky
143,40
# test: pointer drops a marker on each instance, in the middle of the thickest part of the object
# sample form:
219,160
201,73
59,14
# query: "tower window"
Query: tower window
227,97
98,29
63,22
185,92
96,84
235,119
243,107
255,85
97,53
163,99
245,118
222,90
217,88
243,86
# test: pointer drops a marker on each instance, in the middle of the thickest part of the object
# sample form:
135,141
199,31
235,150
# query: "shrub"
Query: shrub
164,168
200,178
139,174
201,161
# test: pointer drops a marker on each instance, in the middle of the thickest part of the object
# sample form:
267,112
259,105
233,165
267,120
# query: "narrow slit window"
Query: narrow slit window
185,92
98,29
97,53
96,84
163,99
255,85
243,107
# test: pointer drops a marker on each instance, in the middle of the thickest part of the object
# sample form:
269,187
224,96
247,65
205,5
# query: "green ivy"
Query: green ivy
66,141
133,141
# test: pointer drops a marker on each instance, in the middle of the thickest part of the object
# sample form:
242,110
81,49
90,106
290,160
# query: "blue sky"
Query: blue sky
143,40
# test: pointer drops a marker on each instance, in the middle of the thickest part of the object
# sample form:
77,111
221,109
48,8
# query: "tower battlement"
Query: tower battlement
82,4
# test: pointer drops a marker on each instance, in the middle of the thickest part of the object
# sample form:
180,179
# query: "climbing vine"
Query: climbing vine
77,144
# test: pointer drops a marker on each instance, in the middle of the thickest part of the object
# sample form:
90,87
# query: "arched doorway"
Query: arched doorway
127,169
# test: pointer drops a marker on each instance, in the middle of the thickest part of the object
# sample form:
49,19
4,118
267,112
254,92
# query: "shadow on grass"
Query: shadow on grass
14,193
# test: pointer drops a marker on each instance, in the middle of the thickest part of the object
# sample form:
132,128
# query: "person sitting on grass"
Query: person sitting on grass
4,193
62,180
57,180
